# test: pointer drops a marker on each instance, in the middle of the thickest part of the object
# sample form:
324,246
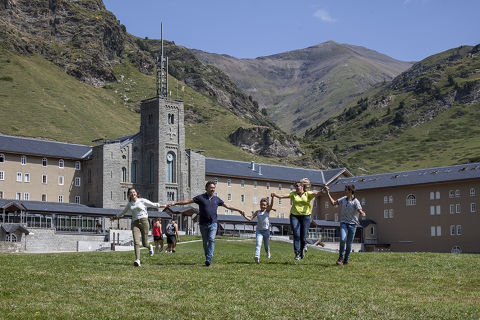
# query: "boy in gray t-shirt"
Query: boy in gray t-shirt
350,210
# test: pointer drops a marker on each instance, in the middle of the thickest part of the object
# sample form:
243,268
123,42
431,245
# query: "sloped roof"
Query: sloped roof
325,223
72,208
30,146
158,214
263,171
12,227
185,210
57,207
407,178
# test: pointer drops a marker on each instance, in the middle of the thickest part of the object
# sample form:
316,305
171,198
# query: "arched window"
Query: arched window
10,237
456,249
171,168
134,172
2,157
124,174
152,169
411,200
44,162
171,118
61,163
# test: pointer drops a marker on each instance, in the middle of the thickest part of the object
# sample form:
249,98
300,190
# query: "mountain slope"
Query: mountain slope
304,87
69,71
428,116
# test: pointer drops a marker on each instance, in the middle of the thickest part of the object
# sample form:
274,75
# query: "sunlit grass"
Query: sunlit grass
179,286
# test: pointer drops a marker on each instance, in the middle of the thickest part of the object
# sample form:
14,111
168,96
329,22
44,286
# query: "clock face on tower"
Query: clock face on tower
169,157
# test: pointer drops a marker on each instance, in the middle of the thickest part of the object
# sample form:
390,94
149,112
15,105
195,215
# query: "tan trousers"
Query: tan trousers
140,228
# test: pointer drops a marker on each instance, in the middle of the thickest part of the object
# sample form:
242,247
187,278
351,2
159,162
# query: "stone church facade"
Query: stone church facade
153,161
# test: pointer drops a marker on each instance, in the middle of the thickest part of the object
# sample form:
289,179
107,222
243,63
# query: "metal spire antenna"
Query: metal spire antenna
162,75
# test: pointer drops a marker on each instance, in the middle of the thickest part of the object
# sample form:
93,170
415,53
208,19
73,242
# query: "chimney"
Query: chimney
252,165
259,170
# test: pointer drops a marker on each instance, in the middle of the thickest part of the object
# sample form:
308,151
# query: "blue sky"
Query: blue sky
408,30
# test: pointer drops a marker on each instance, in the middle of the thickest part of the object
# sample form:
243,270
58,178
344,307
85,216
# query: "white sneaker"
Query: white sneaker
257,259
268,255
151,250
137,263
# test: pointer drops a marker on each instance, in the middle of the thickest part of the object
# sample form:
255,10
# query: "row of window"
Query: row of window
26,196
454,208
434,210
433,196
255,184
25,177
23,161
457,208
455,230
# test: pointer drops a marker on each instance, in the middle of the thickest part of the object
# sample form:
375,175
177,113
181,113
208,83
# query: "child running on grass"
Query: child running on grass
263,227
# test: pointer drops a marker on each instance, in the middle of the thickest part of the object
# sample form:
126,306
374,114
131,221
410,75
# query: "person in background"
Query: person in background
140,226
263,227
350,210
158,236
208,204
300,214
172,236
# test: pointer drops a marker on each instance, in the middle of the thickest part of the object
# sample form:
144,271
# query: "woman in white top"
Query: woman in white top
140,226
263,227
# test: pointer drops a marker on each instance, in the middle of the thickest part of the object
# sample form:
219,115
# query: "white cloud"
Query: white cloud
323,15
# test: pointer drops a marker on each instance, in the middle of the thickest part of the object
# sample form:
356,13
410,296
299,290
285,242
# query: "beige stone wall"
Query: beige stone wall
35,187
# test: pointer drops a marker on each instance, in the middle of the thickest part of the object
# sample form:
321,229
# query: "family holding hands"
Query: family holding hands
300,217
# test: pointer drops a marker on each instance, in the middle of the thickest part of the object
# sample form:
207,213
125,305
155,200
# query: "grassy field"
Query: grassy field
178,286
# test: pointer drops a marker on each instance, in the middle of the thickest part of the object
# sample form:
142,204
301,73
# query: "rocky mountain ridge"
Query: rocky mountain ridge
302,88
90,44
427,114
87,41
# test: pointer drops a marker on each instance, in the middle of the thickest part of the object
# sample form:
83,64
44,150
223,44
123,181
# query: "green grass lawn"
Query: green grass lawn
178,286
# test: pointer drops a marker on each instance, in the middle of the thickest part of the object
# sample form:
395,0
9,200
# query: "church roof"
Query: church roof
263,171
31,146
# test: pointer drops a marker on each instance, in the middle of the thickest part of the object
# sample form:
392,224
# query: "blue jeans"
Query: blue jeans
300,225
259,235
347,232
208,232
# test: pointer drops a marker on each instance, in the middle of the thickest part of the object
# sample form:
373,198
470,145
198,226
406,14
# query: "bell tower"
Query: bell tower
164,160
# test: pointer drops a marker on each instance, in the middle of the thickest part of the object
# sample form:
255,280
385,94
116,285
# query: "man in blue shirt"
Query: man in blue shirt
208,204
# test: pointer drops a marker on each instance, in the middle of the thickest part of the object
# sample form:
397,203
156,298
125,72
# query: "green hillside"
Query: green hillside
38,99
81,76
426,117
